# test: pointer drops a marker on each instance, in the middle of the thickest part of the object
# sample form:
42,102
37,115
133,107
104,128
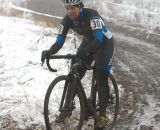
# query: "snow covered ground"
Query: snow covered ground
23,82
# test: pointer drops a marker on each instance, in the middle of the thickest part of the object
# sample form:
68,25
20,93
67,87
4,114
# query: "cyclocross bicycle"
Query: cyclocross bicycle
78,103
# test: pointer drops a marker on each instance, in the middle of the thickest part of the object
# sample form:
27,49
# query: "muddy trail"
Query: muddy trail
137,68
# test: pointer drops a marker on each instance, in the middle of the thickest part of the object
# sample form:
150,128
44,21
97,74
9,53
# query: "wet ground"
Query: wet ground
137,69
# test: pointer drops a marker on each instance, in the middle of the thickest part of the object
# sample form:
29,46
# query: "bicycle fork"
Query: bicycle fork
67,97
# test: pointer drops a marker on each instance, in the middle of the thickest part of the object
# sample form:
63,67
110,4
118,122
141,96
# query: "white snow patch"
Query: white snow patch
150,111
23,81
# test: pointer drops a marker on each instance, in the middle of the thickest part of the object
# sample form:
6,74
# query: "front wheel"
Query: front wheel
54,103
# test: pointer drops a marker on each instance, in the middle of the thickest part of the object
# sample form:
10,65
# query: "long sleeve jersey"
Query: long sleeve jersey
89,24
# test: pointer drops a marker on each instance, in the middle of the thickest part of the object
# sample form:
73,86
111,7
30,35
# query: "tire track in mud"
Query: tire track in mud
141,60
137,69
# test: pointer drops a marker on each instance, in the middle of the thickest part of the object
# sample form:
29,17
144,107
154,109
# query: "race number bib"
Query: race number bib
61,27
96,24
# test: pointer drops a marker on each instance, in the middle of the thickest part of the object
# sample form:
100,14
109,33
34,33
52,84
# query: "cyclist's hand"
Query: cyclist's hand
44,55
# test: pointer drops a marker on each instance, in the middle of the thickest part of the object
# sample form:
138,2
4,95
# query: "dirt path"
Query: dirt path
138,70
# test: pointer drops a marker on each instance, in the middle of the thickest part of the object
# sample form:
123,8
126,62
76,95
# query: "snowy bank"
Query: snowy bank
23,81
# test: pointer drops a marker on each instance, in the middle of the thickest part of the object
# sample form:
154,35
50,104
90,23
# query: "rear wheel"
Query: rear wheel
53,106
113,105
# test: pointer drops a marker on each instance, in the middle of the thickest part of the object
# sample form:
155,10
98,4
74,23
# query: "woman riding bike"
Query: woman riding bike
97,44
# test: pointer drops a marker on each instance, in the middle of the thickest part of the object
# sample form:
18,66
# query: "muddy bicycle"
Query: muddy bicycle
78,102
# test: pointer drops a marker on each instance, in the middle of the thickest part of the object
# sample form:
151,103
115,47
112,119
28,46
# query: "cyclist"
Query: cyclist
97,44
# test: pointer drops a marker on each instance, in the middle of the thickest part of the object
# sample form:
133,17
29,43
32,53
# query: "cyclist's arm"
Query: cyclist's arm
60,39
99,31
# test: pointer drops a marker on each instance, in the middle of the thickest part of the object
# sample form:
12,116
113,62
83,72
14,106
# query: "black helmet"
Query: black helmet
72,2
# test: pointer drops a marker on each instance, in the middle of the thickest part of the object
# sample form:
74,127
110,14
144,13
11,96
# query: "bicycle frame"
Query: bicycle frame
73,75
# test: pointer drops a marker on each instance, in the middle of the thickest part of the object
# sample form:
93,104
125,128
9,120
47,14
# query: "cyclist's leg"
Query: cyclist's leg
104,57
88,61
82,70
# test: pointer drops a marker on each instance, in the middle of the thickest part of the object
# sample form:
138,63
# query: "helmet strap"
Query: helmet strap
81,12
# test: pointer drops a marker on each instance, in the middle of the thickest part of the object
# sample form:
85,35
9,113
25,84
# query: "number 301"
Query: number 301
95,24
